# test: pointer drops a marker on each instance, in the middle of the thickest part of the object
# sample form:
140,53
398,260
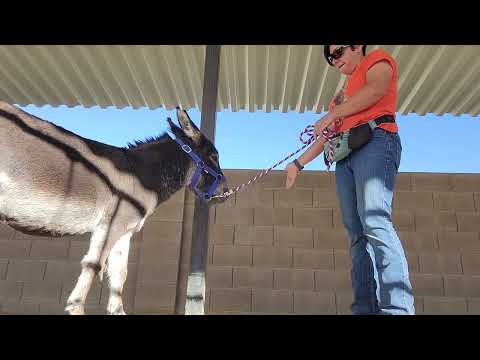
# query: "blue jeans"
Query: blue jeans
365,181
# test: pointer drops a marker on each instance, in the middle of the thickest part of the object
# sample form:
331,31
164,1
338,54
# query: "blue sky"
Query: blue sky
444,144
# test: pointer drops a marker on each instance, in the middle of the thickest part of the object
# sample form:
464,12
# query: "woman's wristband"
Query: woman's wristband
298,165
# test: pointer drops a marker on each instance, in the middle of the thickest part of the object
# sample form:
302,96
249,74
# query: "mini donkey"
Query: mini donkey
54,182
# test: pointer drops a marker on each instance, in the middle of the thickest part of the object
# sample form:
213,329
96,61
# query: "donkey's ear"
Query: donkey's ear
174,128
188,126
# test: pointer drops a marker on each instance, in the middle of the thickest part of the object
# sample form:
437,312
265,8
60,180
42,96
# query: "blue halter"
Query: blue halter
200,167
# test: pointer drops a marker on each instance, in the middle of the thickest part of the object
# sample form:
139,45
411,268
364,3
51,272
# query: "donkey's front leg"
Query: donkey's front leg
117,273
90,267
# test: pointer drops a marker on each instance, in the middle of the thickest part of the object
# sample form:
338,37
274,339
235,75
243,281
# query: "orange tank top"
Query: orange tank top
385,106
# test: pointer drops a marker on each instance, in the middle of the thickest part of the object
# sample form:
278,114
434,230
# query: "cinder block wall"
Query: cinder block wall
286,252
271,251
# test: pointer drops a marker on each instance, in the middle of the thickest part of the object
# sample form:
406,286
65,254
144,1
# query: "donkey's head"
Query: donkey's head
208,173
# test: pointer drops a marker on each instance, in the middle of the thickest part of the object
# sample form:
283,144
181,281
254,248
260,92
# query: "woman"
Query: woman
365,178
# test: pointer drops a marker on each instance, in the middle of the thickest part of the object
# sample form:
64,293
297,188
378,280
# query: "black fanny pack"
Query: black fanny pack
352,139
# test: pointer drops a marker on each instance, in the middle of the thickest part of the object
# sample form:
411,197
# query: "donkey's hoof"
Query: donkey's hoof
117,311
75,309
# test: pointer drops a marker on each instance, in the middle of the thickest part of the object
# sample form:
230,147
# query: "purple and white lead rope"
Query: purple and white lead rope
310,131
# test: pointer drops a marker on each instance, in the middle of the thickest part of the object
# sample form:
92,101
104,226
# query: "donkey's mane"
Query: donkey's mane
138,143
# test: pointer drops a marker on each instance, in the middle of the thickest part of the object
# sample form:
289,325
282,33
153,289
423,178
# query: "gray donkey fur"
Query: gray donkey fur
54,182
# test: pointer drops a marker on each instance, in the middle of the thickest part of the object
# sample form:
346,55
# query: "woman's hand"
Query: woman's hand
326,121
292,172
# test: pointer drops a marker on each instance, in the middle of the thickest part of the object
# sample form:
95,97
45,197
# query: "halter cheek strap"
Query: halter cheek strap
200,167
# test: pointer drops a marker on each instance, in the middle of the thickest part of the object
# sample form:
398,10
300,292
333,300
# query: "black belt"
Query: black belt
385,119
380,120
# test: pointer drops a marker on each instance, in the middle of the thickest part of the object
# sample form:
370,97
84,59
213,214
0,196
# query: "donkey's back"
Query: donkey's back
51,180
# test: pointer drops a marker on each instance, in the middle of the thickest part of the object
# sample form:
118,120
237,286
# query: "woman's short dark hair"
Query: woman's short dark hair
326,52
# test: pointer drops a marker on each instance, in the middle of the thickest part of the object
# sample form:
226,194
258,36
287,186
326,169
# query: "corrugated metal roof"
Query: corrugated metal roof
432,79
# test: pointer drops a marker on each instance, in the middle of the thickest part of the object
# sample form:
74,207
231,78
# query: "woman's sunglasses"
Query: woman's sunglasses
337,53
